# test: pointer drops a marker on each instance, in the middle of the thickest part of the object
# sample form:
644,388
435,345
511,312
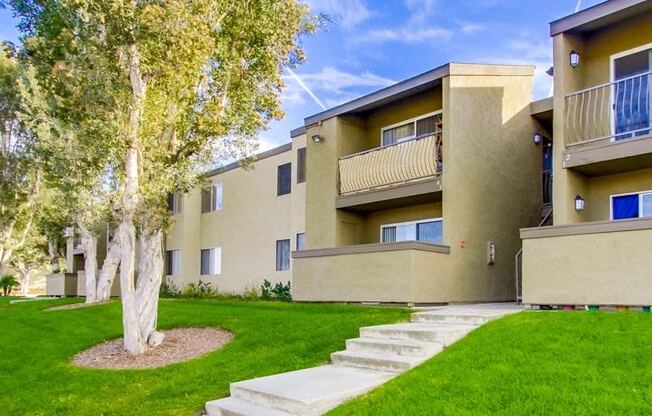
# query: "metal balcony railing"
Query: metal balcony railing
616,110
398,163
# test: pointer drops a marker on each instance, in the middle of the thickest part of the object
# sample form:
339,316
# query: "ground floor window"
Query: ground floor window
211,261
301,241
282,255
430,231
172,262
633,205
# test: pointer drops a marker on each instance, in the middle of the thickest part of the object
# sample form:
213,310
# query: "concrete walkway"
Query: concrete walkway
378,355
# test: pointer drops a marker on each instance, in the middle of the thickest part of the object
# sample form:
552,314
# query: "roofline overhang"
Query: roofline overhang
592,14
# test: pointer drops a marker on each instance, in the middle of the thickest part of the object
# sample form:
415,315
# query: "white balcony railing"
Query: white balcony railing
617,110
391,165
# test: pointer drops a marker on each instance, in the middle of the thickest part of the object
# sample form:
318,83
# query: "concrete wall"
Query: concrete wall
613,268
252,219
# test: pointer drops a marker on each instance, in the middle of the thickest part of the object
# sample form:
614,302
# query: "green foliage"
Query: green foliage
279,291
7,283
250,293
266,290
270,337
168,290
200,289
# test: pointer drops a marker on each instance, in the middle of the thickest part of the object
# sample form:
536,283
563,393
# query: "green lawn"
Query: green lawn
533,363
36,347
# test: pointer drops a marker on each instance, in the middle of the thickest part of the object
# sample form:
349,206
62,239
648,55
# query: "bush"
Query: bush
168,290
250,293
200,289
279,291
8,282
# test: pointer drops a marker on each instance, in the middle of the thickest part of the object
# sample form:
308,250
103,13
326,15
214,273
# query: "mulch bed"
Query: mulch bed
181,344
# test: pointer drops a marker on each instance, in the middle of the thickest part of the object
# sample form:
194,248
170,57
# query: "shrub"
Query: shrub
200,289
250,293
7,282
168,290
266,290
278,291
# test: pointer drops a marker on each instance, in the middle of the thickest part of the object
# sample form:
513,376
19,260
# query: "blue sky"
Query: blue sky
371,44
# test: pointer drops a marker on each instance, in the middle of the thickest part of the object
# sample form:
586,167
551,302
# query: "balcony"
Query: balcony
406,169
608,128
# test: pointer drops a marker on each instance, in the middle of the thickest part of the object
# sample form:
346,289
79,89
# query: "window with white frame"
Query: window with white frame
282,255
175,203
211,198
301,241
211,261
429,231
409,129
172,262
634,205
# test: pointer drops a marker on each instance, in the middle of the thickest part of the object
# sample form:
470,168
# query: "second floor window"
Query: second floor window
284,179
175,203
409,129
211,261
301,241
301,165
211,198
172,262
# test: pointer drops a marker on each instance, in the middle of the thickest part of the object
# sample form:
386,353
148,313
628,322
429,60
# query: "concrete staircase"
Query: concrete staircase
378,355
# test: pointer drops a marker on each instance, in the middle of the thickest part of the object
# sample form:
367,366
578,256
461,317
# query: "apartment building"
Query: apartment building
599,249
242,226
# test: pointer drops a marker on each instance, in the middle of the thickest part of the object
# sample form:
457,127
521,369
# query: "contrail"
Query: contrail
578,6
305,88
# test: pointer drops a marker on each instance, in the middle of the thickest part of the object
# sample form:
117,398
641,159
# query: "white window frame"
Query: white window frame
383,226
296,242
215,261
640,203
612,75
177,203
411,120
176,261
214,206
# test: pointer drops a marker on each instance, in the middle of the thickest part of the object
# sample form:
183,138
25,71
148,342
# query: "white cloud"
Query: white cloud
421,10
348,13
405,34
471,28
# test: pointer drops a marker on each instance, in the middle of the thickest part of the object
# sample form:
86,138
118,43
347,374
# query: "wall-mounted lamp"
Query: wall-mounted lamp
551,71
574,58
579,203
316,138
537,138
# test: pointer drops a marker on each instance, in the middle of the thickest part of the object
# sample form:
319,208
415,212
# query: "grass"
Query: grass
36,377
533,363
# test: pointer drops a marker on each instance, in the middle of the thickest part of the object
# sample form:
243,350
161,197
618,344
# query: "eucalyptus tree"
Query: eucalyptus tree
183,78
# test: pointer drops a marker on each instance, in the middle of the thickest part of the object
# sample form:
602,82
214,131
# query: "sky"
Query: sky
370,44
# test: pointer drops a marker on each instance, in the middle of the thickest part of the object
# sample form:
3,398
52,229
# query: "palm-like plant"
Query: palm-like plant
7,282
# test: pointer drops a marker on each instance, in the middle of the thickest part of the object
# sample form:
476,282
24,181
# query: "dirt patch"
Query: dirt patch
75,306
180,345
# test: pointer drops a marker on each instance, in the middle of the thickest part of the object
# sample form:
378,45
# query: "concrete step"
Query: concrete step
378,361
393,346
236,407
444,334
444,318
312,391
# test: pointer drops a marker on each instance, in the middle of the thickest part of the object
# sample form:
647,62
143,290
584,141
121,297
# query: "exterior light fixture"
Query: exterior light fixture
579,203
537,138
316,138
551,71
574,58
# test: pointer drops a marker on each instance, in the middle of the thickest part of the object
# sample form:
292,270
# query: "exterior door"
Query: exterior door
631,94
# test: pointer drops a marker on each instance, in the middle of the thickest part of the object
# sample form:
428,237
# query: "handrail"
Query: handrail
607,84
376,149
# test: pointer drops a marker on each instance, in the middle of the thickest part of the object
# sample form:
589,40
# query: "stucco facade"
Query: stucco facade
597,156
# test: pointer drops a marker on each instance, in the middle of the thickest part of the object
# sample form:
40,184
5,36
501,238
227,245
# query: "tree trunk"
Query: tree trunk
53,254
23,276
149,284
108,271
89,245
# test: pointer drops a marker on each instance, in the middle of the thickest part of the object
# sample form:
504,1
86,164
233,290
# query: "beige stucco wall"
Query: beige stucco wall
599,189
592,269
491,188
247,227
596,50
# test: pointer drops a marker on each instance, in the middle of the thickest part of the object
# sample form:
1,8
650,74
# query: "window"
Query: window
301,241
632,93
211,198
211,261
429,231
284,179
282,255
172,259
409,129
301,165
631,205
175,203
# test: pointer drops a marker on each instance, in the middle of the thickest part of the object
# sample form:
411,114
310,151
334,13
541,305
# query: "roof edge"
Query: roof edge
255,158
590,14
